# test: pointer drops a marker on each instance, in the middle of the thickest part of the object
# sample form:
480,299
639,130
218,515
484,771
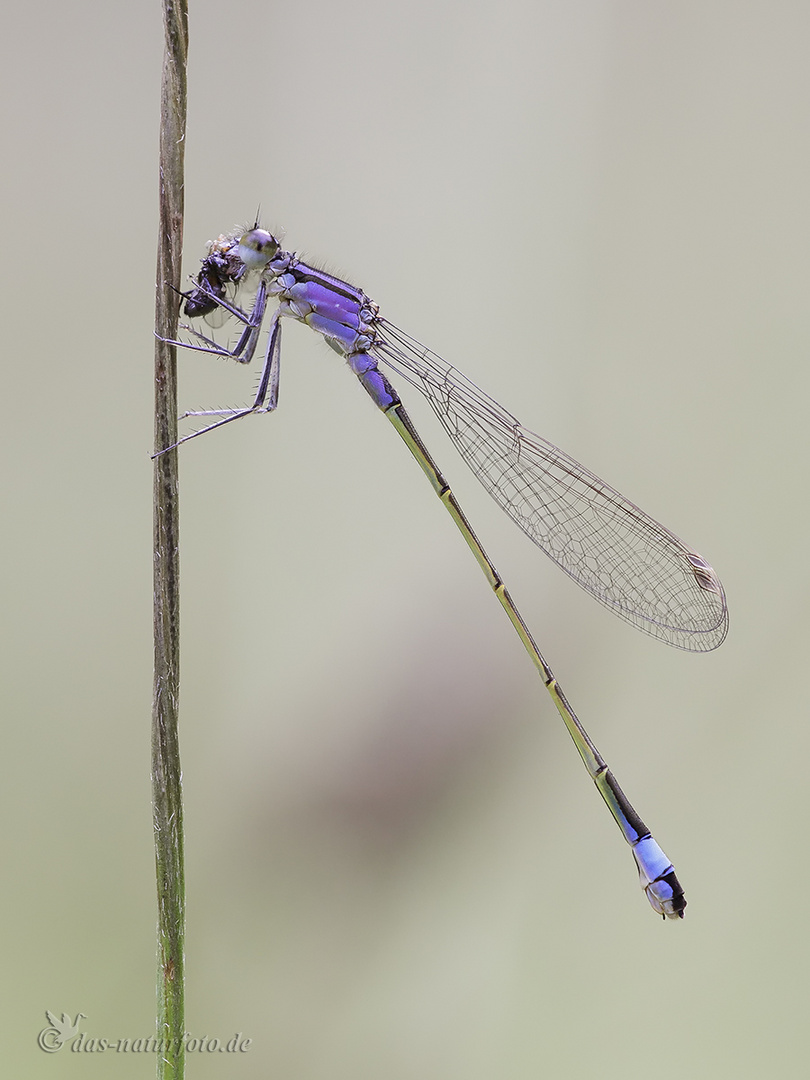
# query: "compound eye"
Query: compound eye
256,248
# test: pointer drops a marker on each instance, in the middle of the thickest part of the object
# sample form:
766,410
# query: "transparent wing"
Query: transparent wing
621,556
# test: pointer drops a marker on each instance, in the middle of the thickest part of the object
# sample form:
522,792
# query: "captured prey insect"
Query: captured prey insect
621,556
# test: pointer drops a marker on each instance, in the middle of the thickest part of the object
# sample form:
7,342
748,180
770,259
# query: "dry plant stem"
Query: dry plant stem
167,793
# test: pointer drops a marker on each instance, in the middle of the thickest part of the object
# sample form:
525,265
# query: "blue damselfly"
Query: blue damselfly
621,556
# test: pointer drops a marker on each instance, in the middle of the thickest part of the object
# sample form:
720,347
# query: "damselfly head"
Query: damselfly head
256,248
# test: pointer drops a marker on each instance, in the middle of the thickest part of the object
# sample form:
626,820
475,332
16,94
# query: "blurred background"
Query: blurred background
397,866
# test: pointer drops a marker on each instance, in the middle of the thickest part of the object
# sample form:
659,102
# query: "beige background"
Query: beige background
396,865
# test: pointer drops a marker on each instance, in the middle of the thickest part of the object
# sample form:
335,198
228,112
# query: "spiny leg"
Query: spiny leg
265,400
245,347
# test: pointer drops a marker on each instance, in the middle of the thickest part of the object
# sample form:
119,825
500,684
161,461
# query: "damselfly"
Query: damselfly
621,556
